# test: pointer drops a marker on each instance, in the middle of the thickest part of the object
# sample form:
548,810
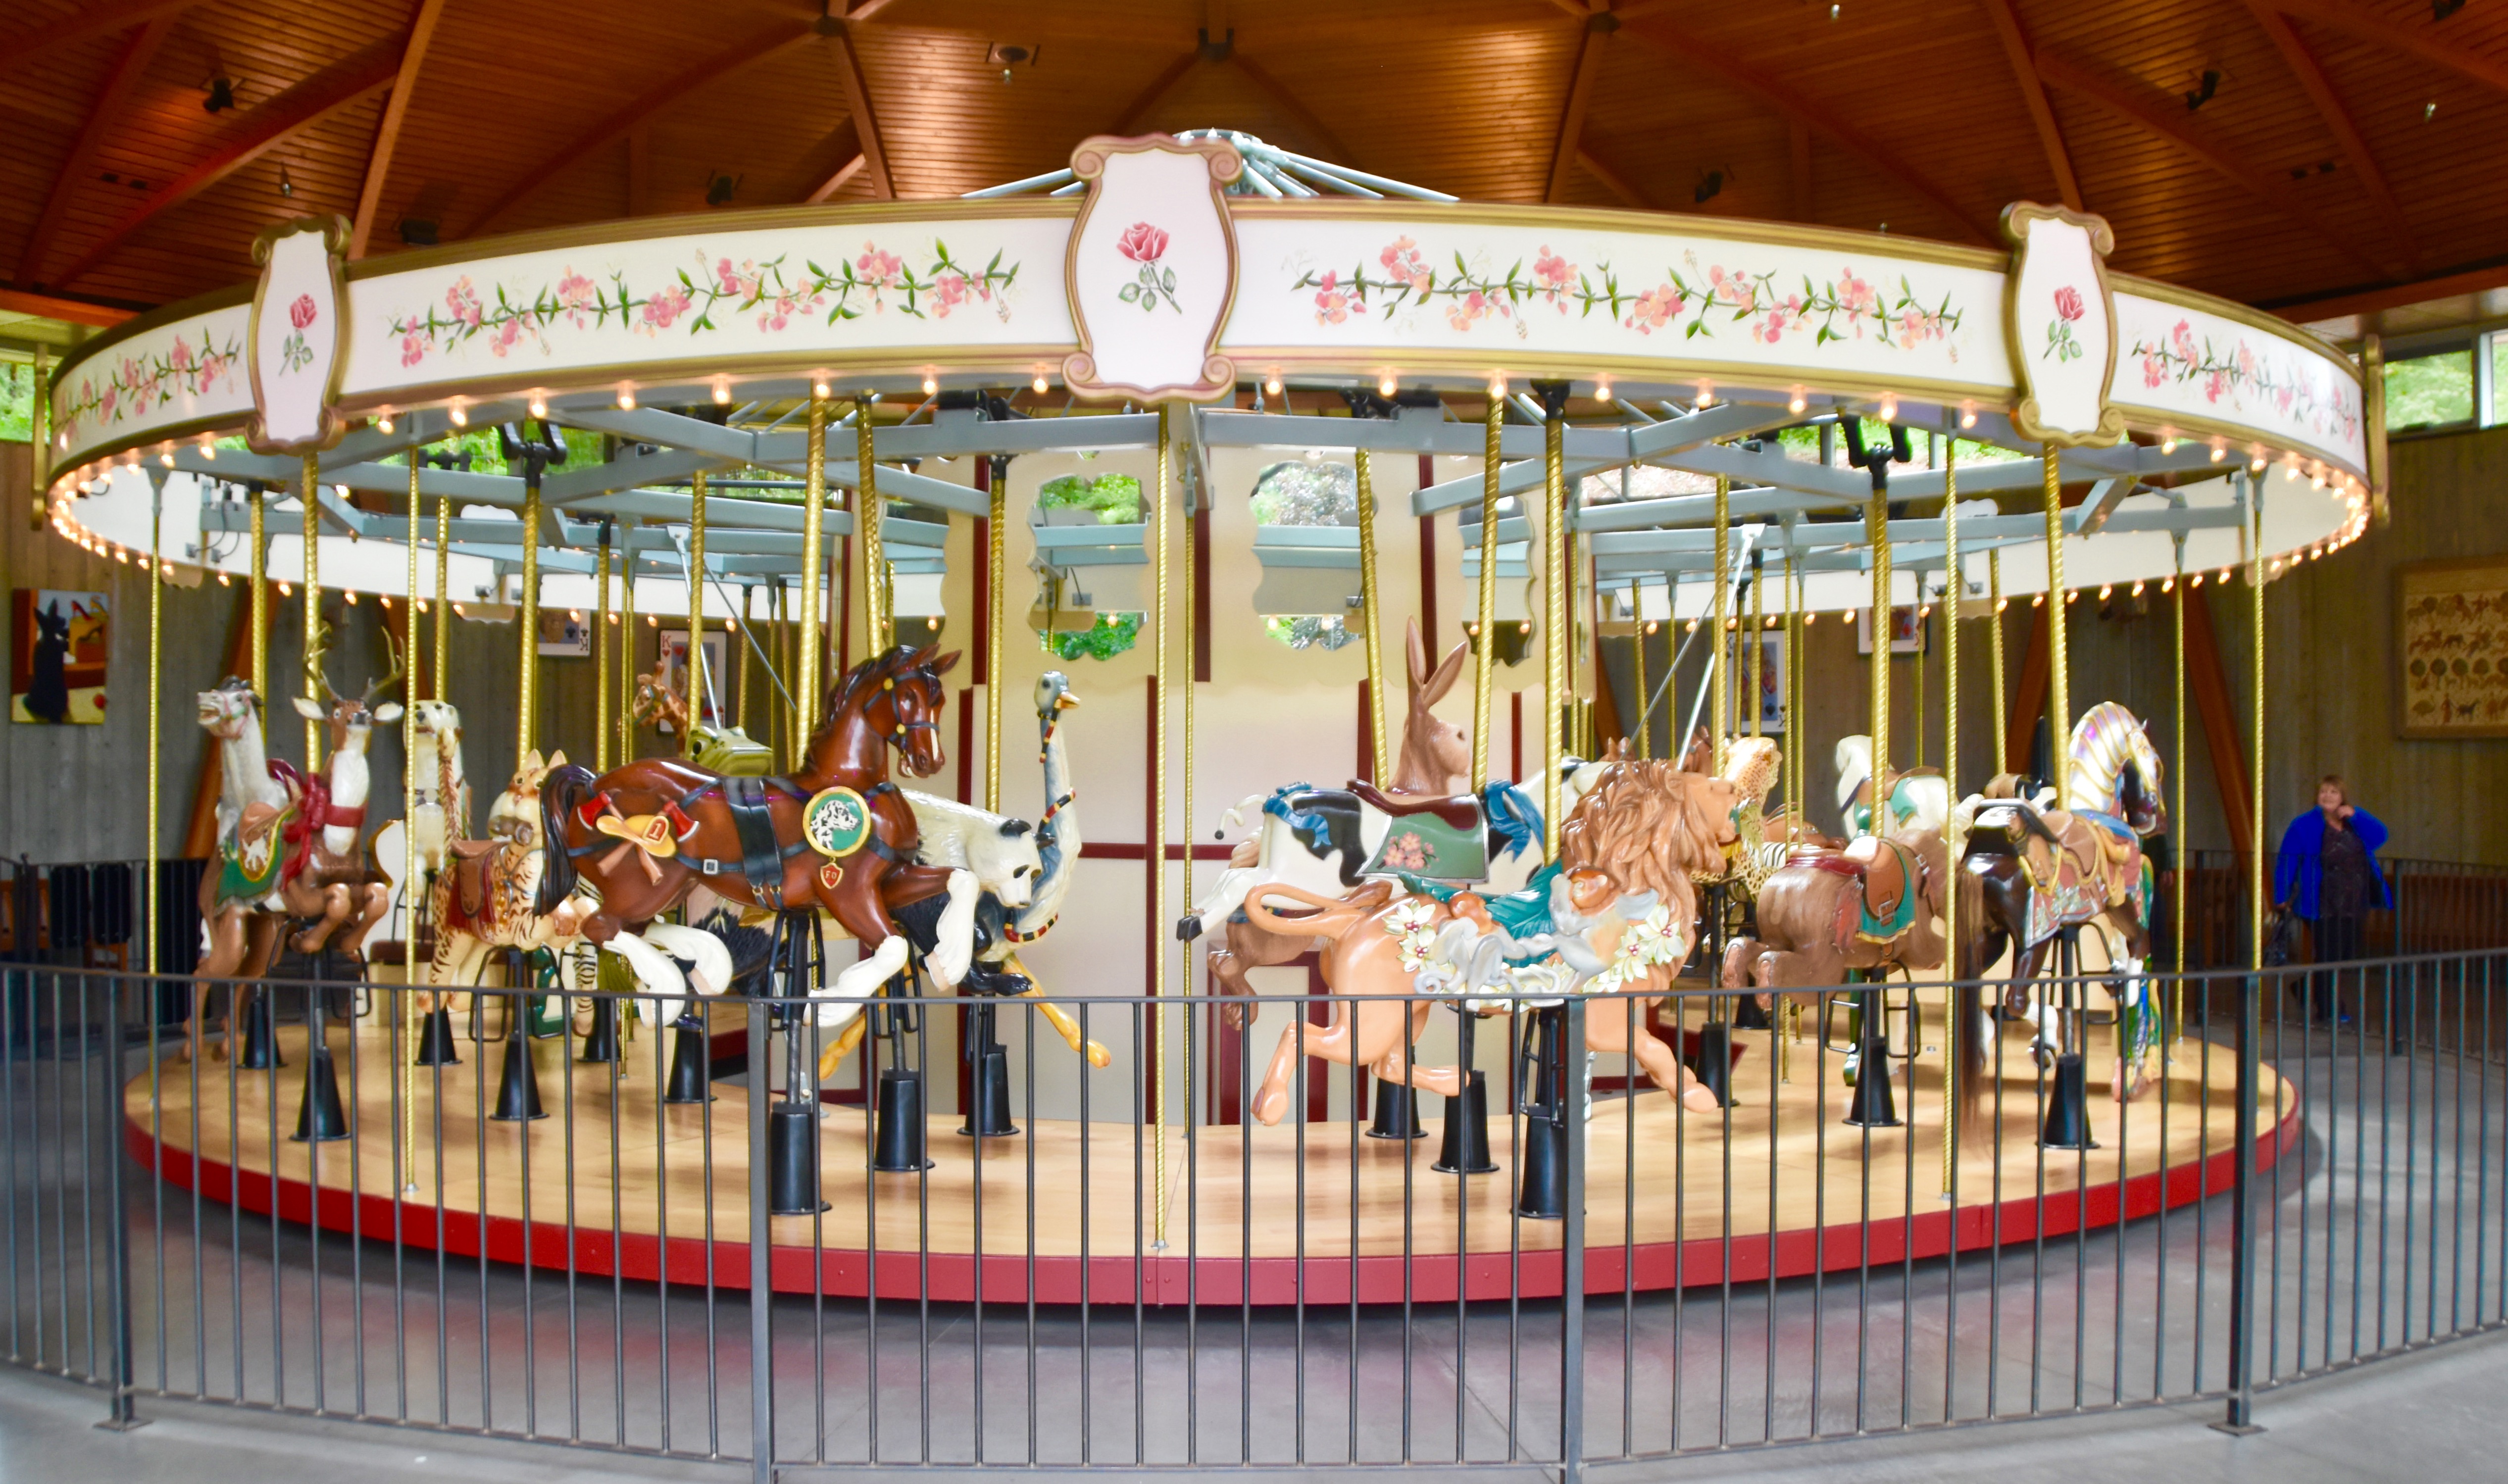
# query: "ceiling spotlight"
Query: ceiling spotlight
286,182
419,232
2204,88
721,187
225,581
1601,388
2107,591
1271,383
2167,585
352,595
2256,462
2137,588
1795,401
1711,185
1498,384
165,457
221,91
286,591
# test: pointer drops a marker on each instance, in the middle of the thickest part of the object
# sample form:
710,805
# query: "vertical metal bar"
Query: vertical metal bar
762,1318
2242,1234
122,1412
566,1081
1572,1254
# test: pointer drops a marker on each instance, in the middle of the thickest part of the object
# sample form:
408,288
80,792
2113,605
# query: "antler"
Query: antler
399,669
315,647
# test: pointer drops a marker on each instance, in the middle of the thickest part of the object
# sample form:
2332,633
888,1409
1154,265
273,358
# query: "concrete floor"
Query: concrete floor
2394,1175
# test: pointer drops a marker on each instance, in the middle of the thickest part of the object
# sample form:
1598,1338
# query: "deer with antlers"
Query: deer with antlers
326,881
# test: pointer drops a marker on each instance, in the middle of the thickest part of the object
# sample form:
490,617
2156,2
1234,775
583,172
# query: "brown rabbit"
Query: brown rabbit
1436,756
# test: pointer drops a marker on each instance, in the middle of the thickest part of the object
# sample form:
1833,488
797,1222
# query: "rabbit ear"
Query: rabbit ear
1416,649
1449,671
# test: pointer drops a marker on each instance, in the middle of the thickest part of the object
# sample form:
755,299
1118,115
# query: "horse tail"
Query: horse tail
1234,818
564,790
1335,917
1971,889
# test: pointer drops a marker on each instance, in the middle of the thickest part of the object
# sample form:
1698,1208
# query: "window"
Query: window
2430,390
2490,377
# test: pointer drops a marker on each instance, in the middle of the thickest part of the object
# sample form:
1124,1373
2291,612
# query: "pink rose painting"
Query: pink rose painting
1145,245
294,353
2061,344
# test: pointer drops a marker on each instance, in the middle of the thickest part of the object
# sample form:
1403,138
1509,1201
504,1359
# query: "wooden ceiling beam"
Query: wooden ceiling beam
2166,123
2382,31
1160,87
19,51
130,70
379,158
2337,122
104,317
1597,28
1325,140
1612,180
866,119
1686,47
750,49
344,82
2042,114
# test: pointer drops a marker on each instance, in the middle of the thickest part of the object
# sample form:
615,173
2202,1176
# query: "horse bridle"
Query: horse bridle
899,728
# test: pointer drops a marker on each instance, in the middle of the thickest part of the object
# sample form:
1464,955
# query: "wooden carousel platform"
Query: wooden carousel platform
622,1185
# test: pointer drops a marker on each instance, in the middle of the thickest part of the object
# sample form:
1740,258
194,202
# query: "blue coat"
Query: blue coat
2301,866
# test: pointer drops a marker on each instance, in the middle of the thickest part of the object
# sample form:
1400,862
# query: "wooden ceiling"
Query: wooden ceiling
2349,147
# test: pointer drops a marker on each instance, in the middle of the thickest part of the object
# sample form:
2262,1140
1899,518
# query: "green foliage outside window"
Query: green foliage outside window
2430,389
1115,497
1110,636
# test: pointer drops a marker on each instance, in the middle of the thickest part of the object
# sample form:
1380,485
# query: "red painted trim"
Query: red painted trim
1366,742
1120,850
1221,1280
1515,710
966,742
1201,596
1428,563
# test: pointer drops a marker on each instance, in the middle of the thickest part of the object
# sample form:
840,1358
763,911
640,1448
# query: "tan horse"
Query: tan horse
1368,936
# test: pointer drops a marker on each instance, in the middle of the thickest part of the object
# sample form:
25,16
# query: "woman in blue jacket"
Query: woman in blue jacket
2328,873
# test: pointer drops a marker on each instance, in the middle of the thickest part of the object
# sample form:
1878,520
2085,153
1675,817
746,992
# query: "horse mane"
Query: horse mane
1640,823
2099,750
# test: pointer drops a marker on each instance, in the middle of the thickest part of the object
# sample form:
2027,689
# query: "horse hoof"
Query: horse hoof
1268,1108
1188,927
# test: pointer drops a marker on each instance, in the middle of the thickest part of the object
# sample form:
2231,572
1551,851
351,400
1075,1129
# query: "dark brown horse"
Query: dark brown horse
892,700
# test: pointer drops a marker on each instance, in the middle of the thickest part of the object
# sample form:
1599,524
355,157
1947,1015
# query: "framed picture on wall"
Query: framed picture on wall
675,669
59,641
1769,677
2451,648
564,635
1907,634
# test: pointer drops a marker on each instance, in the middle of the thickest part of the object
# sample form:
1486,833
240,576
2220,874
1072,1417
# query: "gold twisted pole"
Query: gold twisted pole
814,500
1159,666
443,588
2177,819
627,650
261,607
414,970
1371,630
1556,585
39,436
1185,805
1994,648
696,612
1954,589
1487,648
996,531
2255,521
1876,524
867,513
1718,723
1754,645
601,641
1637,648
156,697
308,491
527,717
2059,712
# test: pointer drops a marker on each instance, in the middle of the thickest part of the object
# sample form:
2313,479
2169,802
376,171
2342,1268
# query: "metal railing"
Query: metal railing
2304,1184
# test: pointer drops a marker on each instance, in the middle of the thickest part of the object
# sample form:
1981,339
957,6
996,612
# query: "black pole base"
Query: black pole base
600,1042
518,1091
898,1146
260,1035
435,1046
1873,1107
691,1077
2068,1106
1467,1146
1541,1192
1711,1059
793,1160
319,1118
990,1116
1397,1112
1749,1016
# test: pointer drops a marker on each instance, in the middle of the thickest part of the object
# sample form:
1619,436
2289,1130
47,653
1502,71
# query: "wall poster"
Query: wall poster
58,642
2451,648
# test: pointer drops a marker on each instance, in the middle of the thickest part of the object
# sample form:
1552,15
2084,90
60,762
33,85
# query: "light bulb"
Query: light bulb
461,414
539,407
383,421
1796,401
1968,414
1498,384
2169,442
2072,594
2038,600
1706,395
818,388
931,383
574,615
1386,385
421,605
2107,591
1037,385
1811,619
1888,408
732,625
626,398
384,599
209,448
223,580
613,619
2196,581
2168,584
721,390
352,595
1601,388
2137,587
2256,462
2220,451
653,622
1271,383
286,591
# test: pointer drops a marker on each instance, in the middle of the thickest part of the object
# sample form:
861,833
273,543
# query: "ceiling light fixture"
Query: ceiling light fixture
221,91
286,182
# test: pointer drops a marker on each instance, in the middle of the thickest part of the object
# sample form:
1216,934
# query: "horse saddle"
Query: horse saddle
1459,812
1882,868
473,869
1884,875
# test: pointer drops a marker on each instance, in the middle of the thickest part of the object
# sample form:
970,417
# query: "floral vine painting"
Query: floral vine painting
709,296
1145,245
2238,372
1698,302
137,385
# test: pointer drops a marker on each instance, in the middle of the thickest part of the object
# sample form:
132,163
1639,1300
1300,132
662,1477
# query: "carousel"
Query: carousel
1645,457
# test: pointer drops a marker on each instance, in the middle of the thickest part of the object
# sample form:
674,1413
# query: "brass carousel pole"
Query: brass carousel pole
2059,714
2255,535
1756,644
696,612
1876,527
601,641
527,620
261,605
1159,824
156,715
1637,648
867,514
1371,631
814,500
995,533
1718,723
307,488
1954,589
415,972
1994,655
2177,819
1558,605
627,645
443,584
1485,649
